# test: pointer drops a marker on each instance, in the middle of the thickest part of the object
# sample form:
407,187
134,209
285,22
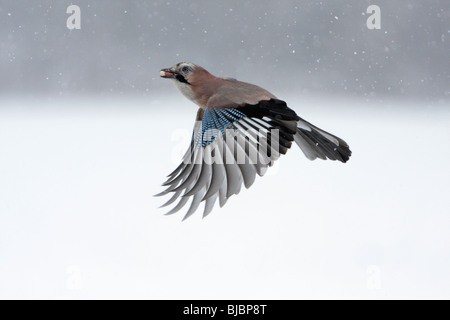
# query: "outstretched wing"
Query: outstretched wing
229,147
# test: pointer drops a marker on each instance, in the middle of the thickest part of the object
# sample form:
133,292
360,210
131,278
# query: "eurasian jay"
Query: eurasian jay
240,130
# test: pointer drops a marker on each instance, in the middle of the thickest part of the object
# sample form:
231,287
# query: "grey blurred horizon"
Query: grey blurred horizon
305,47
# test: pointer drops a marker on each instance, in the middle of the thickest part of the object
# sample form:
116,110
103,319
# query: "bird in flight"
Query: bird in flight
240,130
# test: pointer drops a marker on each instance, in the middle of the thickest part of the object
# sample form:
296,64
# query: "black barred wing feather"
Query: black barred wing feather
229,147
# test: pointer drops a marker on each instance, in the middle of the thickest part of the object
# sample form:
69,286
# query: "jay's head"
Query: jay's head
193,81
180,72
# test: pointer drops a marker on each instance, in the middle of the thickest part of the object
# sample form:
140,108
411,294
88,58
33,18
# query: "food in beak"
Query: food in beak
165,74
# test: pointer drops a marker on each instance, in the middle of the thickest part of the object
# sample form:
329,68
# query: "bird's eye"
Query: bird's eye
185,69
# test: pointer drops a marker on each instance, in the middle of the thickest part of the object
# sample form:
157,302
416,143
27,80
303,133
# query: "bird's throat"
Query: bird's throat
186,90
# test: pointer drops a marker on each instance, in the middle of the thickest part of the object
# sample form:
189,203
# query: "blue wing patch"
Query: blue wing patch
214,123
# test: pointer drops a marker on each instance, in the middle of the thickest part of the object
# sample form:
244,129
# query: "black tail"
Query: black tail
316,143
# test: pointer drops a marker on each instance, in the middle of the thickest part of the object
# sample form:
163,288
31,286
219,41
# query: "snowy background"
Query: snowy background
88,132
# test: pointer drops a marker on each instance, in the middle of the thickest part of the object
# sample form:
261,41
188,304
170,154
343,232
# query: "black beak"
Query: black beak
167,73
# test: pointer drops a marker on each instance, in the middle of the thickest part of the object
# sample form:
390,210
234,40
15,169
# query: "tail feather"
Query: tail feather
317,143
